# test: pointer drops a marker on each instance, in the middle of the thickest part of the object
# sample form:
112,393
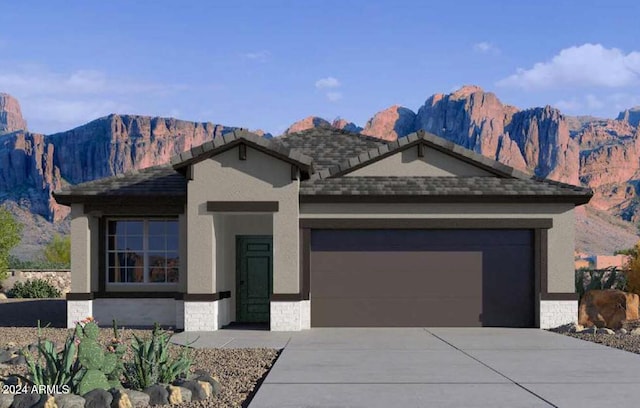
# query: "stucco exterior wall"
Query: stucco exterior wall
81,245
561,237
227,178
407,163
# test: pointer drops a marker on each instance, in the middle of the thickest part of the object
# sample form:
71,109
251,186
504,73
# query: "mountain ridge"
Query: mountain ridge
593,152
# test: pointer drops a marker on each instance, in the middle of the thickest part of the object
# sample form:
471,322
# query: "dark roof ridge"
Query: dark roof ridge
334,130
446,146
231,139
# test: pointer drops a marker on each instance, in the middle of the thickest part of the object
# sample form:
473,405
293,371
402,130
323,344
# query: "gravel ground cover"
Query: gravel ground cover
627,342
627,338
239,370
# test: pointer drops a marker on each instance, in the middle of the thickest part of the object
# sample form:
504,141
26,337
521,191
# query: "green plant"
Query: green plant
117,347
16,263
51,367
34,288
58,251
152,363
608,278
95,362
633,270
627,251
10,236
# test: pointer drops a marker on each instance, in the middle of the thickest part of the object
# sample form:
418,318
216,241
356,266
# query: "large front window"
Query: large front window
142,251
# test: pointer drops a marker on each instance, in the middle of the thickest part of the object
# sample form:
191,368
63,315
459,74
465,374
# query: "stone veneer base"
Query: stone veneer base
290,316
554,313
78,310
210,316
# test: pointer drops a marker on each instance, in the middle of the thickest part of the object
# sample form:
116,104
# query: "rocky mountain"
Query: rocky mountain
391,123
307,123
631,116
602,154
10,114
33,165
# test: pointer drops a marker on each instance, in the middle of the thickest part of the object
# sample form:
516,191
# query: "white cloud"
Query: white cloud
260,56
587,65
334,96
569,105
54,101
486,48
329,86
605,105
327,83
35,80
65,111
593,102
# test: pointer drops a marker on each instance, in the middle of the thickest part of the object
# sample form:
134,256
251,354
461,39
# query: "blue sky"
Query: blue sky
265,64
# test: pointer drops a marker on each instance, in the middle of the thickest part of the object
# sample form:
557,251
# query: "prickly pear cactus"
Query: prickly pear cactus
91,380
93,359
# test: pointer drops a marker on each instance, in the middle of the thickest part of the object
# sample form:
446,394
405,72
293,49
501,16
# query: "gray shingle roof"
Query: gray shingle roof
152,181
363,157
329,147
334,153
228,140
440,187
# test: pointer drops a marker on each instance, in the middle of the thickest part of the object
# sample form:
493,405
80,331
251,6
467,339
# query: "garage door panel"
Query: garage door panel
509,285
395,274
394,312
407,278
415,240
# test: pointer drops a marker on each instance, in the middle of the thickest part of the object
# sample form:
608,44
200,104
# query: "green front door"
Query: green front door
254,278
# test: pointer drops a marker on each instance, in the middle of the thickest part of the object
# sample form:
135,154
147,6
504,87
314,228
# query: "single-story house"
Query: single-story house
324,228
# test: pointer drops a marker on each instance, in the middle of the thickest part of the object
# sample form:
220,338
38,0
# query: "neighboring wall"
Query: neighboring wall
561,238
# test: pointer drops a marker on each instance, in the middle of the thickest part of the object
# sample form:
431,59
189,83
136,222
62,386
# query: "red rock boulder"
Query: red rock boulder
607,308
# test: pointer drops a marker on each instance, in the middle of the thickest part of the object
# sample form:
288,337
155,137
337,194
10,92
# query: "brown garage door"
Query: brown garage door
414,278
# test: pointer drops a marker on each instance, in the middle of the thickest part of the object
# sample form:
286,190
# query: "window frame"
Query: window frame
145,251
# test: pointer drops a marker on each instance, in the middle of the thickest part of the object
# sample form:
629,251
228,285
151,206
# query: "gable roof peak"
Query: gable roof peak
429,139
234,138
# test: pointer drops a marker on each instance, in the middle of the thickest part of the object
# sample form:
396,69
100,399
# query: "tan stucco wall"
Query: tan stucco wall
561,237
226,178
407,163
84,250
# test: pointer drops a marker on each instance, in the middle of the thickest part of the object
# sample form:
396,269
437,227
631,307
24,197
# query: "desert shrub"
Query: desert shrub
632,271
50,367
38,263
10,236
593,279
34,289
58,251
81,366
152,364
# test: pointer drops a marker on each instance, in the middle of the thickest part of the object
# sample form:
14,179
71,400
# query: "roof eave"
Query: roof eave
68,199
574,199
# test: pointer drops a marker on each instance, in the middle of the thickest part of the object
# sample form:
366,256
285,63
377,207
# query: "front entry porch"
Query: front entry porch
254,278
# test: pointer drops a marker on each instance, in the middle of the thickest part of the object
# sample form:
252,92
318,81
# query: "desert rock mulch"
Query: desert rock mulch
629,341
238,370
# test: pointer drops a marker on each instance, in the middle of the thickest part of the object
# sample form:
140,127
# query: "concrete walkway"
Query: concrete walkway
417,367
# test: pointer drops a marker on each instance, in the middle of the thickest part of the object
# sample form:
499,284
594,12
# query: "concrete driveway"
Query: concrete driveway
443,368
